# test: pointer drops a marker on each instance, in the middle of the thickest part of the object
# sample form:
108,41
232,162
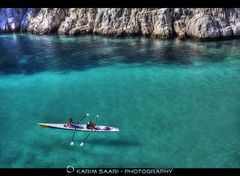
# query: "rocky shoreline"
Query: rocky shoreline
164,23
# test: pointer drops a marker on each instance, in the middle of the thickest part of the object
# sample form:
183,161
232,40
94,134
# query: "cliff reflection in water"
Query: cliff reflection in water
28,54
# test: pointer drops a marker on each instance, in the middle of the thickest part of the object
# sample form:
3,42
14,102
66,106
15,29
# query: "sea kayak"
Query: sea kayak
78,127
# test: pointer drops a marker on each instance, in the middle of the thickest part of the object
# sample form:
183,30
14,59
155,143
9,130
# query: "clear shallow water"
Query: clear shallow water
176,103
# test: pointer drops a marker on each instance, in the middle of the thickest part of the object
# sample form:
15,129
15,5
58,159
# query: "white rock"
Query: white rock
46,21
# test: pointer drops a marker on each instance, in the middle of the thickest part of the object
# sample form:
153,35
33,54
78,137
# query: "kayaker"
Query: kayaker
69,122
90,125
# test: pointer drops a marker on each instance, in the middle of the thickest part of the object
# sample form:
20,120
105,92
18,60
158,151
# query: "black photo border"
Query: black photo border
119,4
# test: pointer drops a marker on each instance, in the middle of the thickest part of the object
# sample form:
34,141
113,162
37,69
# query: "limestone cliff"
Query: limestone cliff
201,23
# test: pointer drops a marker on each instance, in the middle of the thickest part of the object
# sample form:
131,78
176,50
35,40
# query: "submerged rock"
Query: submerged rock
201,23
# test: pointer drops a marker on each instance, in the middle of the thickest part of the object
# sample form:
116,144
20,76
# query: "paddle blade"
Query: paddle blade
72,143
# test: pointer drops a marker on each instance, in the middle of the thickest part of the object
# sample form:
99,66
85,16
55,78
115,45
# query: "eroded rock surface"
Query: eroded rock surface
201,23
47,20
11,18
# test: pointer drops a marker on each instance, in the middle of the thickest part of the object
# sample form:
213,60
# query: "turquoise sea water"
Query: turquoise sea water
177,104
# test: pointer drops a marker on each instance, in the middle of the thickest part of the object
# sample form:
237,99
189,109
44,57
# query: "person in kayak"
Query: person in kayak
91,125
69,123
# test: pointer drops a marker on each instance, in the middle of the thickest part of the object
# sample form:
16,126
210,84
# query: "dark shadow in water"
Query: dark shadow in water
113,142
28,54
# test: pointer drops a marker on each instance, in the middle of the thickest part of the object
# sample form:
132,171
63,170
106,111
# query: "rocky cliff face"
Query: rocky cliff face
201,23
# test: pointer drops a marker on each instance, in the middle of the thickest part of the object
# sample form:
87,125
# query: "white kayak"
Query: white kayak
77,127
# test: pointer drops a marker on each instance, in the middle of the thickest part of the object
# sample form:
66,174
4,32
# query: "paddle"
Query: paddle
72,142
97,118
82,143
85,117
